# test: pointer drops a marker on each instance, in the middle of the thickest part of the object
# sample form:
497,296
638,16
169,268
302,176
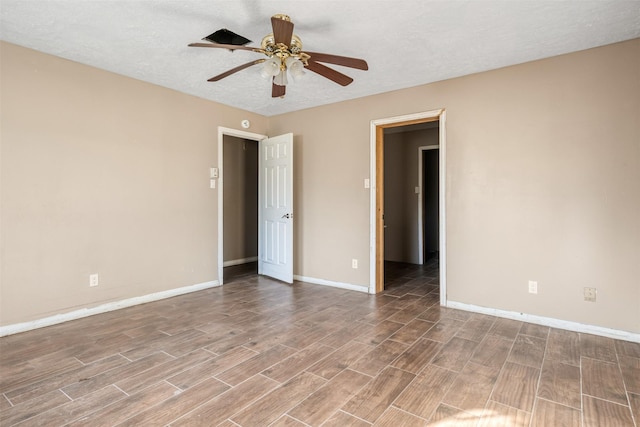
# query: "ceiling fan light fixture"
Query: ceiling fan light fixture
270,68
295,67
281,79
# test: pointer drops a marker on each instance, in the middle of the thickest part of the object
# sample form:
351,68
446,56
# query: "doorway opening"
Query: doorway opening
384,129
237,203
429,202
240,209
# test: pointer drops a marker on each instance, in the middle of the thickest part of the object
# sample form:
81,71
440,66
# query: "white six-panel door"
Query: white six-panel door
275,213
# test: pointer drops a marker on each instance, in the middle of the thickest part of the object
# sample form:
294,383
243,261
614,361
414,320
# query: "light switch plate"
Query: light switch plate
590,294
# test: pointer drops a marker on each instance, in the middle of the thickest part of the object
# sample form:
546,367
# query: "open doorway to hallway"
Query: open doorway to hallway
411,200
240,208
411,181
381,131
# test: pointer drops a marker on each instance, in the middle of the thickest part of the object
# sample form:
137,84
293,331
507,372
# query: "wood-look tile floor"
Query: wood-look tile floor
257,352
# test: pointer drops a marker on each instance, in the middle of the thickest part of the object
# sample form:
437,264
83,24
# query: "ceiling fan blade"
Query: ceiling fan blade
235,70
345,61
277,90
330,73
226,46
282,30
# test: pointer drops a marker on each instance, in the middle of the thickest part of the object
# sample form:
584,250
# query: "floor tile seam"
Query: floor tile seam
124,366
86,364
327,381
298,400
286,414
35,414
624,380
582,395
493,389
633,343
457,374
11,405
290,377
392,405
38,413
609,401
615,403
86,414
539,381
221,395
430,363
215,377
457,407
171,375
626,389
624,385
127,394
415,374
353,415
530,413
533,336
12,388
262,370
445,391
563,361
600,360
558,403
122,398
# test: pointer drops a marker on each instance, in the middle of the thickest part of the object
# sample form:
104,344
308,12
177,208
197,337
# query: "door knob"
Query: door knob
287,215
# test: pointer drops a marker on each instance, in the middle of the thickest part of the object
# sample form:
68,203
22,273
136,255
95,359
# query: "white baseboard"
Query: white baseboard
111,306
331,283
239,261
548,321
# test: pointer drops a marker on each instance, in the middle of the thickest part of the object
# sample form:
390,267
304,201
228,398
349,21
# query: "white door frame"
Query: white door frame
222,131
420,200
440,115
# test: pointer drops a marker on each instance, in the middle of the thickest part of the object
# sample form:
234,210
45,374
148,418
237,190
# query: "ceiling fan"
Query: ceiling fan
283,51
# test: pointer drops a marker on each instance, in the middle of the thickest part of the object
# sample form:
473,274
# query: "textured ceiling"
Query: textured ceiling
406,43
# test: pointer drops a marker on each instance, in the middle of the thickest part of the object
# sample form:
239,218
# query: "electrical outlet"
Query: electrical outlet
93,280
590,294
354,263
533,287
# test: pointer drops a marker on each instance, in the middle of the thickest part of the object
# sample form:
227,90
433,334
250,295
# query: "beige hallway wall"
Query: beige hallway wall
543,183
102,174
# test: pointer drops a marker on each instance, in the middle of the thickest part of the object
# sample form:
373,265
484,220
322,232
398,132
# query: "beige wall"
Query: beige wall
102,174
240,199
105,174
543,183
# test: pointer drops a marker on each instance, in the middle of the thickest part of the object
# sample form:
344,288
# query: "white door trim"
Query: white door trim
420,200
441,115
222,131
